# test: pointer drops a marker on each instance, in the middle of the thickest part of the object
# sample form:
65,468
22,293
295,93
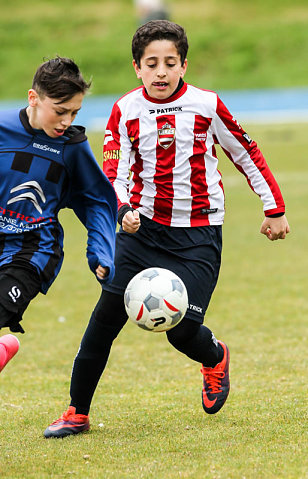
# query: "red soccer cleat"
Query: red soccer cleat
9,346
216,383
69,423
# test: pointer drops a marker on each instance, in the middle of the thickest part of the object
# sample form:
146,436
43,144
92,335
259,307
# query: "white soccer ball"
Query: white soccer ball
156,299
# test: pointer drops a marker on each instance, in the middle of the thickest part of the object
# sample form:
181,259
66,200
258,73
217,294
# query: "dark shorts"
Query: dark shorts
18,286
194,254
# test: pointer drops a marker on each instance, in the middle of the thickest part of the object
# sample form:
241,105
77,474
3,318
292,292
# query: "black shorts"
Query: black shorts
18,286
194,254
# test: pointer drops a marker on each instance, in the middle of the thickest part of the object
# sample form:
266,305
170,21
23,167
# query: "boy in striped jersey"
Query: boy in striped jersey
47,165
159,153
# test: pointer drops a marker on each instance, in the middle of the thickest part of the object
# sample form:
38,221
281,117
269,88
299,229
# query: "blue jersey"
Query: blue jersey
39,176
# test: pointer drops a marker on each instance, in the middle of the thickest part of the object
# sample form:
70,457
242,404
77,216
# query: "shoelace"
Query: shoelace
66,416
213,379
70,416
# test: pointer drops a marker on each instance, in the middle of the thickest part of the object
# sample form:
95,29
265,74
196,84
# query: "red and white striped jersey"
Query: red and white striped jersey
160,156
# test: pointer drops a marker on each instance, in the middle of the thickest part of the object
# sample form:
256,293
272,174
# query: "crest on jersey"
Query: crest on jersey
166,136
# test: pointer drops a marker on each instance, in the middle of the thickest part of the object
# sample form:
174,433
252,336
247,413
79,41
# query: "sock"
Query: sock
89,365
214,354
107,320
197,342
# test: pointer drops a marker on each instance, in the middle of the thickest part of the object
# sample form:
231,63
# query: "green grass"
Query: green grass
234,44
147,420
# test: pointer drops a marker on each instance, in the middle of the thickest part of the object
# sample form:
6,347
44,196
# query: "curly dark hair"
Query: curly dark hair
59,78
159,30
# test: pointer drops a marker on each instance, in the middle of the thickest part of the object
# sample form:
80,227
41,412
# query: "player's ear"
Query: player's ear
32,97
183,68
137,69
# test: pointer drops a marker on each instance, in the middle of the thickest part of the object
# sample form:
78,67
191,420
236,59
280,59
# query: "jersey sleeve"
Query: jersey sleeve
116,155
93,200
248,159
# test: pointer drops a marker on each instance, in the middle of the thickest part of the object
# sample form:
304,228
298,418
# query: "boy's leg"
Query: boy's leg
200,344
9,346
196,341
18,286
190,336
107,320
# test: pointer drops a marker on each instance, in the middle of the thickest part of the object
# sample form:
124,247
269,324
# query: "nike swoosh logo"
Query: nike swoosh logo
61,426
206,401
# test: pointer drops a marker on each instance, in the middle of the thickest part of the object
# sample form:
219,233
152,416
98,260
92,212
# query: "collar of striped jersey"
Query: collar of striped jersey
181,89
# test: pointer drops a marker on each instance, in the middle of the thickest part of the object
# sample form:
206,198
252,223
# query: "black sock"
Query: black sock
197,342
214,354
105,324
89,365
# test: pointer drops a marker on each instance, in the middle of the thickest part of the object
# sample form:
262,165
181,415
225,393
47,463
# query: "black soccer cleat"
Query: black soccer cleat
216,383
68,424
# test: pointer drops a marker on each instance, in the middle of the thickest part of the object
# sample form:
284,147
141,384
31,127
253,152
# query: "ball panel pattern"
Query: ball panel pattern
156,299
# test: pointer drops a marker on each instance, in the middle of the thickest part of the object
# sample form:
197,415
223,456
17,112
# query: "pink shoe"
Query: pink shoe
9,346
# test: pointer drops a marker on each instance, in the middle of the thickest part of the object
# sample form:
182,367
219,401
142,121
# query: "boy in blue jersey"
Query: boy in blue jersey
47,165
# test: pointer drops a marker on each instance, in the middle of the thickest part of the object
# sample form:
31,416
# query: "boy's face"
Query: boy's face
160,69
48,114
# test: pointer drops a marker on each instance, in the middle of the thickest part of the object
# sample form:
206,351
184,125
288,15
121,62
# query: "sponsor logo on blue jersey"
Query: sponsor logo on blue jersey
46,148
29,195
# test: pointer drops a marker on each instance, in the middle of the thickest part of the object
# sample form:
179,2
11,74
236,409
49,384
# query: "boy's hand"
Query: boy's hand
101,272
275,228
131,222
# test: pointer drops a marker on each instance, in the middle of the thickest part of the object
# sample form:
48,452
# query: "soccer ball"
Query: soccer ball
156,299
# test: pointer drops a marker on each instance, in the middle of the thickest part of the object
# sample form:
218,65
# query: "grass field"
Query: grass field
147,420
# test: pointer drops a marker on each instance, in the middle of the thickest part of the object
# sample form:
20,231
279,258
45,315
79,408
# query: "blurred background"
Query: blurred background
236,46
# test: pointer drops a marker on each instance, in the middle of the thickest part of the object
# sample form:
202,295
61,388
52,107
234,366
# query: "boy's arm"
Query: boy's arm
116,153
94,201
248,159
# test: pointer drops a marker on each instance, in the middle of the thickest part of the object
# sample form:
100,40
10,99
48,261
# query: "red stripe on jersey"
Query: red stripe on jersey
253,151
133,130
199,190
165,161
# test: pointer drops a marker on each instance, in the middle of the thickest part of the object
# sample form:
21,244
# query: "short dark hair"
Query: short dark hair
159,30
59,78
